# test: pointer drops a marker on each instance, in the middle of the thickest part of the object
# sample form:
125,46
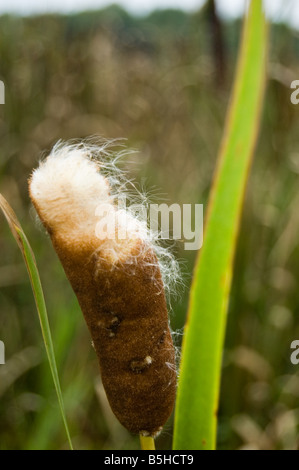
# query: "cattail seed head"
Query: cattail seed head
117,281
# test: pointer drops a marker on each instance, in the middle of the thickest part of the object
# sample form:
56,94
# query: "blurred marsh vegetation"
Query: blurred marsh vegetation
162,82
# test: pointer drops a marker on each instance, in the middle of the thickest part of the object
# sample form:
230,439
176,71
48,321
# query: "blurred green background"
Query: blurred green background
161,81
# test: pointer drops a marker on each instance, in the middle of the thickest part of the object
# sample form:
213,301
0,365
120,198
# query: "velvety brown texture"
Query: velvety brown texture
125,309
126,314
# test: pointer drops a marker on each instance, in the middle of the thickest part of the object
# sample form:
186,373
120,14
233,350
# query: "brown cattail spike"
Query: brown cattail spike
117,282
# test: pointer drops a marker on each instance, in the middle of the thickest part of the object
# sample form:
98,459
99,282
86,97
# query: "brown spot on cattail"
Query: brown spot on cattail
161,340
139,365
119,288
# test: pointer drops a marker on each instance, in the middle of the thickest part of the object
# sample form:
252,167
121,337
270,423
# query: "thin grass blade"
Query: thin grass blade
31,265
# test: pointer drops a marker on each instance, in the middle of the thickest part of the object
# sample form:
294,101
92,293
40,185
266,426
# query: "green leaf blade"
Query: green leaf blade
199,383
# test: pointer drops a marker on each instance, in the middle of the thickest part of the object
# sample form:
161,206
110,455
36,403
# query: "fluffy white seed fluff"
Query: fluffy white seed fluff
73,196
71,186
68,187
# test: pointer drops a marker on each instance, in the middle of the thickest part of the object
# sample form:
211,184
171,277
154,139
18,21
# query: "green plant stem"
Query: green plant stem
147,442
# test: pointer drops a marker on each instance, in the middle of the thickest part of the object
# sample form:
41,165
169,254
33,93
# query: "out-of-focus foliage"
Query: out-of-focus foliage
155,81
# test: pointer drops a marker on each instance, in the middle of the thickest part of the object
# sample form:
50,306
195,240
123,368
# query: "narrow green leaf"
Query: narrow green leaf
200,371
31,265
